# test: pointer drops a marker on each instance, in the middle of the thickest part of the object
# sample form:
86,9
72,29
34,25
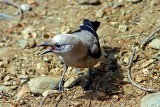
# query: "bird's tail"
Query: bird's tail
94,25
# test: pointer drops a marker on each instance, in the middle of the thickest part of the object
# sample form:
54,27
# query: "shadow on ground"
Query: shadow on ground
107,80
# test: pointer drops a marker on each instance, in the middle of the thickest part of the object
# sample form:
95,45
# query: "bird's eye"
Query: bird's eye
58,46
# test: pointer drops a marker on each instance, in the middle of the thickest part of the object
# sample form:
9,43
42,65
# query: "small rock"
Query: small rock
4,89
142,40
7,52
24,43
88,1
146,71
100,12
29,32
25,7
40,84
123,28
126,60
158,56
134,1
6,78
45,59
65,30
151,100
42,68
138,78
6,105
22,92
155,43
71,81
147,63
48,92
23,78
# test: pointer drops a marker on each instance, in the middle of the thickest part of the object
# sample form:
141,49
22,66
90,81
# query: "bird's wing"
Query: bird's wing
91,27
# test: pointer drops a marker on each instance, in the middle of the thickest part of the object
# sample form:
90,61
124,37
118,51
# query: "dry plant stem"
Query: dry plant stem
151,36
16,6
130,78
44,98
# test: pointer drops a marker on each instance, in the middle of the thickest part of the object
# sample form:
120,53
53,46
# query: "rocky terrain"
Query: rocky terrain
25,76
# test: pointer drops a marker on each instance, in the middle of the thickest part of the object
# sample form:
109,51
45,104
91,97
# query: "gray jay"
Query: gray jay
80,49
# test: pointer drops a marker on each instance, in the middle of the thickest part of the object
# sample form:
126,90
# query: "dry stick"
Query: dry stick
151,36
44,98
16,6
130,78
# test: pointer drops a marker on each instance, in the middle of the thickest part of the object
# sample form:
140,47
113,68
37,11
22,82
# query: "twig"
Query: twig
58,99
151,36
16,6
130,78
44,98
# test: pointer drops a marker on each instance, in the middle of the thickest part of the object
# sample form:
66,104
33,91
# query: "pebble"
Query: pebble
155,43
26,43
6,105
23,78
134,1
25,7
146,71
88,1
71,82
7,52
42,68
48,92
40,84
147,63
22,92
100,12
4,89
65,30
151,100
158,56
28,33
123,28
126,60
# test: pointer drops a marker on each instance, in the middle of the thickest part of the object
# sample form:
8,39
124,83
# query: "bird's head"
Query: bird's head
60,44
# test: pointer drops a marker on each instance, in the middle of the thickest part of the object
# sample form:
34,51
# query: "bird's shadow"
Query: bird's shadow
107,79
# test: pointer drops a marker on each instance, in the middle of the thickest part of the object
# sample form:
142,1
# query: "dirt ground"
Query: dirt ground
123,26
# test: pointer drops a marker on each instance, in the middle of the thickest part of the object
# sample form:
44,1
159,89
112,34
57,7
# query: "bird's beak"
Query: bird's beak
49,45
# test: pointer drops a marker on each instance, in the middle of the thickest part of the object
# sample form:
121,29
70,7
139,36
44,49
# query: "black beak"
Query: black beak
47,44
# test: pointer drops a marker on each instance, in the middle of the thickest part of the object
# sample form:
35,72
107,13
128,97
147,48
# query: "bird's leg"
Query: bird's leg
90,78
88,85
62,78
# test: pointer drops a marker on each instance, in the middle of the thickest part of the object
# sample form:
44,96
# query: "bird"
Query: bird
79,49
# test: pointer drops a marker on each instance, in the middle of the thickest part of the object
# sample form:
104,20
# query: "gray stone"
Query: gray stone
65,30
25,7
151,100
88,1
123,28
71,82
26,43
155,43
4,89
48,92
134,1
40,84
